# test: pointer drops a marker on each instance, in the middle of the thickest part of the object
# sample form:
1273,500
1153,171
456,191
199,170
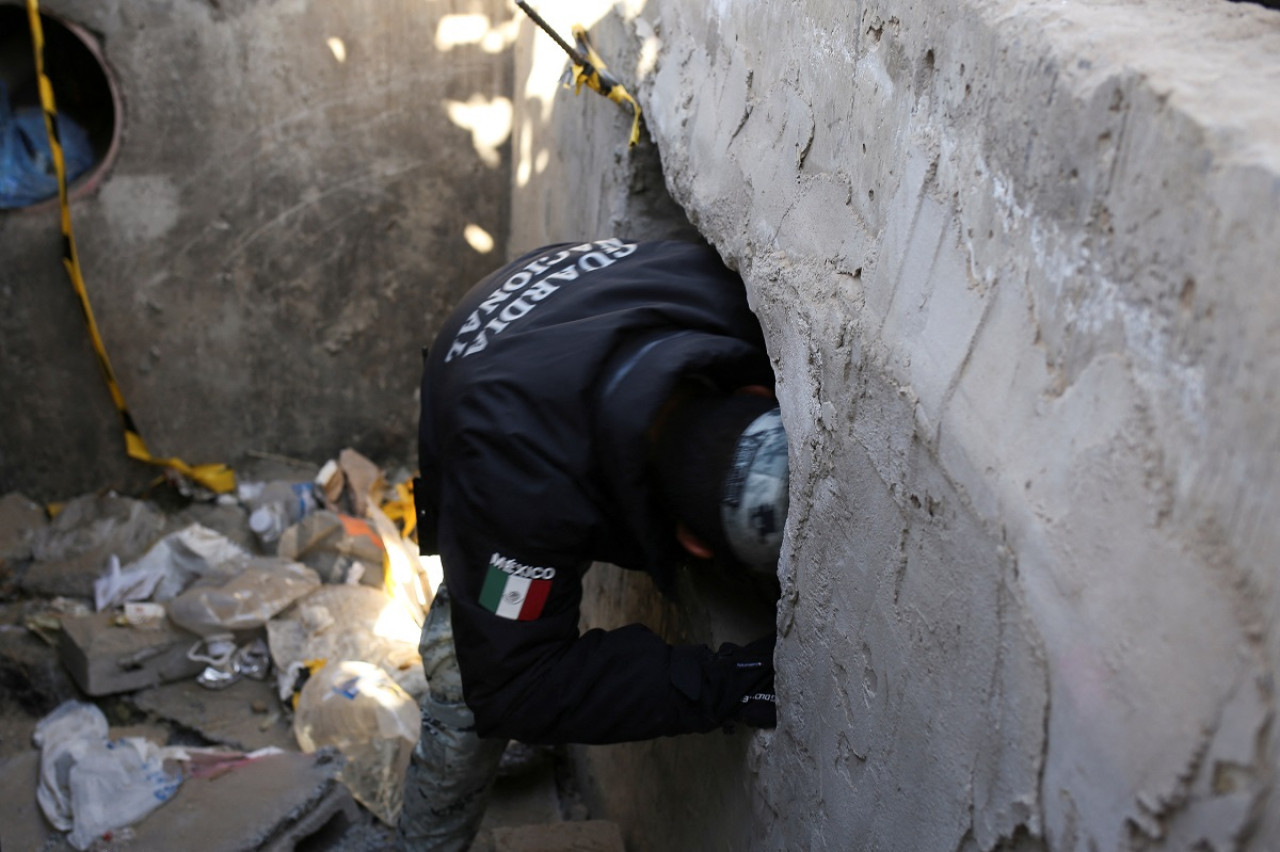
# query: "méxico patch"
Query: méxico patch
515,591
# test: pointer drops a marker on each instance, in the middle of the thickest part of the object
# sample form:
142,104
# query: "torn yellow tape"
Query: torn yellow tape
595,75
216,477
400,508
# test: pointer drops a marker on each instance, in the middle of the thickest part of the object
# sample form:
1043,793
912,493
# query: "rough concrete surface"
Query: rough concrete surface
1015,262
245,715
589,836
1016,265
247,808
301,190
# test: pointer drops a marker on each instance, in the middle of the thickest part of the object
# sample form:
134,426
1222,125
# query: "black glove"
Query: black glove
752,675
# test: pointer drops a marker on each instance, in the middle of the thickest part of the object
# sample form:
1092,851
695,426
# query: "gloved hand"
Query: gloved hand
752,668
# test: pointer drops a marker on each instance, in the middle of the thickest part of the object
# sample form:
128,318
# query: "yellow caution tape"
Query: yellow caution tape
216,477
595,74
589,69
400,508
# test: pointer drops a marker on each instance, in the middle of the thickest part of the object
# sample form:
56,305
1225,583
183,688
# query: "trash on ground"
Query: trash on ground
365,482
171,565
340,548
357,709
314,646
276,506
347,623
144,615
74,548
47,624
405,581
105,658
225,663
262,587
90,785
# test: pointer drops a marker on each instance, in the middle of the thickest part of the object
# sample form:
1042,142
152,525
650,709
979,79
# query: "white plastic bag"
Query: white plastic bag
63,737
167,568
116,783
92,785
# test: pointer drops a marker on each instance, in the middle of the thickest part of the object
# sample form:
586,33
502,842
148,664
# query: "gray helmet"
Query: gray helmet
753,504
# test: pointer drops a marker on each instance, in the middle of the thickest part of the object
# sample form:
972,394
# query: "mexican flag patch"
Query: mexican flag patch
515,591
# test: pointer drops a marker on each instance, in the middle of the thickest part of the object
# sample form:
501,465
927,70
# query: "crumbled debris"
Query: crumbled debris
138,668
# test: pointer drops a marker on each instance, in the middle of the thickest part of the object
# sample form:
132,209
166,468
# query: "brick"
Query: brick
105,659
273,802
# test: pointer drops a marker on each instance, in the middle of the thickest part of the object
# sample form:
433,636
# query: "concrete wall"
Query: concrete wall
284,225
1017,265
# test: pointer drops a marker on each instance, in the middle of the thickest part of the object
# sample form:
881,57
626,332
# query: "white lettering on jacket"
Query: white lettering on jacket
510,566
534,282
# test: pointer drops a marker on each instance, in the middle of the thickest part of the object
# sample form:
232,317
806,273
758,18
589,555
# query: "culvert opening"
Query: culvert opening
87,102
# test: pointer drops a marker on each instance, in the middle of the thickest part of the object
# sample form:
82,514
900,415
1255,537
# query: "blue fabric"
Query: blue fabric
27,172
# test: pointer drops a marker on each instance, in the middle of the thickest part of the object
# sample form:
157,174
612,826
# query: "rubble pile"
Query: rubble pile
240,670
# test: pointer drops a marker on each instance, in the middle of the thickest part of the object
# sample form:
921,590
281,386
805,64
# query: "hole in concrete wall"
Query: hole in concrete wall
88,109
1270,4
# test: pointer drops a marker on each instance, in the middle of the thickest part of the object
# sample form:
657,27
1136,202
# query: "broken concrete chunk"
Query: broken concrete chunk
105,659
333,545
228,716
20,521
365,481
71,552
272,802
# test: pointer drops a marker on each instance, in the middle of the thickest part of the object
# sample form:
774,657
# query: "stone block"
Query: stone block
246,715
588,836
105,659
273,802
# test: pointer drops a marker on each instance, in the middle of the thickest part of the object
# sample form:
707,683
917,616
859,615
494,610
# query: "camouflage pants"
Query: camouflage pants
452,770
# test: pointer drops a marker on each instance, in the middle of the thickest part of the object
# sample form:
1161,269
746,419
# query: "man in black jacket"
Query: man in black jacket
605,401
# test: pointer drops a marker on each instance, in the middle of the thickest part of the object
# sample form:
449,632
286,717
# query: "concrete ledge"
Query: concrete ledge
1015,262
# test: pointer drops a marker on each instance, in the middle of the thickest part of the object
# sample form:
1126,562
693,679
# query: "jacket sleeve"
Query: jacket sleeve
535,679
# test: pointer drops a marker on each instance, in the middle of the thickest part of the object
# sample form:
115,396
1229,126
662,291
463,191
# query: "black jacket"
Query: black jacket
536,398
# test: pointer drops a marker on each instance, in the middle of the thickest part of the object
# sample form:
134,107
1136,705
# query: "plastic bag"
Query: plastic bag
92,785
90,529
357,709
248,600
26,164
63,737
167,568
